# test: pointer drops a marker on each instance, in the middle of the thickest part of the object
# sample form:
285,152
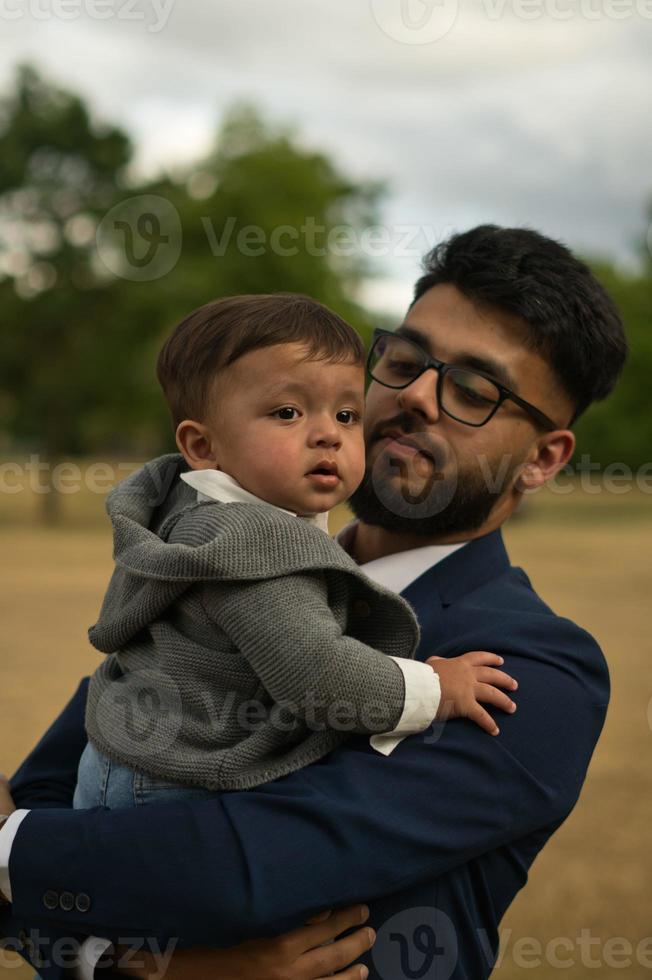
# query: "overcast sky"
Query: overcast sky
531,112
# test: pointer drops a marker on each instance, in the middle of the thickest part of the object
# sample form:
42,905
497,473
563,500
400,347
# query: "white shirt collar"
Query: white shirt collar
218,485
399,570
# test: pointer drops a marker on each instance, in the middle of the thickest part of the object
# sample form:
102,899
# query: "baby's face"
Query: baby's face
290,431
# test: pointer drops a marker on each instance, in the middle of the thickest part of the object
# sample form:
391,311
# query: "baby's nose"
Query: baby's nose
325,433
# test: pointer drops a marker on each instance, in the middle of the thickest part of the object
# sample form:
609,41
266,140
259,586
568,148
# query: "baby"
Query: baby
242,641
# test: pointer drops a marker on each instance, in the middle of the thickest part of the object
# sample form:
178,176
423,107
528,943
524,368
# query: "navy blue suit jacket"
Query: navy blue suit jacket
437,838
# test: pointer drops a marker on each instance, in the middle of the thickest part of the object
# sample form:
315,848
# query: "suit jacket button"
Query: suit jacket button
67,901
82,902
361,607
51,900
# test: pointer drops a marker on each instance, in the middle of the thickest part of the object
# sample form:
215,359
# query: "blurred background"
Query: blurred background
159,153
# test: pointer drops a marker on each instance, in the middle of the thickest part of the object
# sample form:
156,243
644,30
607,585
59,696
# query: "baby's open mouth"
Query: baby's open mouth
325,471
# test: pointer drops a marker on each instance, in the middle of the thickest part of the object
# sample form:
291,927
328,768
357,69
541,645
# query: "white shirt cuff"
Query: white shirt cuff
90,953
7,835
422,697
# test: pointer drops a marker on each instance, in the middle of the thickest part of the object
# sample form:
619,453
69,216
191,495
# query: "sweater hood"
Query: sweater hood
157,558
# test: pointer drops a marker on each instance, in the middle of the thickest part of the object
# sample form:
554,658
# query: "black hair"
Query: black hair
567,315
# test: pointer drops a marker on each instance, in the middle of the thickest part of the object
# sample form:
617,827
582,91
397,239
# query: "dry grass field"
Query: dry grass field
588,555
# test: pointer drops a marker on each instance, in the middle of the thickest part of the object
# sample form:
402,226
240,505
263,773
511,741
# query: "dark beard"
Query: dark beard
447,505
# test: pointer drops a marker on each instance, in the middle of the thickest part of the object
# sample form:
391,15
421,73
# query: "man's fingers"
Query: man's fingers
489,675
338,955
489,694
353,973
307,937
320,917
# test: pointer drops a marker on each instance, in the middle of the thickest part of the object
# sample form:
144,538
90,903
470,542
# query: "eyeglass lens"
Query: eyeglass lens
464,394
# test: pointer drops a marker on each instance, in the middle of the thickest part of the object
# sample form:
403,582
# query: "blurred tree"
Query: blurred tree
264,214
85,311
58,173
619,430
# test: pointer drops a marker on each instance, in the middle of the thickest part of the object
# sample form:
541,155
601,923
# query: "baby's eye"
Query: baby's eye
350,416
285,409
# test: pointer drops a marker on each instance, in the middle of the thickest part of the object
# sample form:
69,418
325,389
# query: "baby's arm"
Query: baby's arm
288,633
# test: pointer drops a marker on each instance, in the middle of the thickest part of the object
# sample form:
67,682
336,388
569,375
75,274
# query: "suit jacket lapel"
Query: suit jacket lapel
461,573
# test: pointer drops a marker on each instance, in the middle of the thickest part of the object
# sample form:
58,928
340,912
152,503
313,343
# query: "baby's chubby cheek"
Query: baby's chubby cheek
356,471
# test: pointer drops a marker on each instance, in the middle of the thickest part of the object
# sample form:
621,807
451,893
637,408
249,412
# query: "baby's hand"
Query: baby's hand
466,681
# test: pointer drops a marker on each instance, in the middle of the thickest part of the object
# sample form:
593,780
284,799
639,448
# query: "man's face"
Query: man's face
428,474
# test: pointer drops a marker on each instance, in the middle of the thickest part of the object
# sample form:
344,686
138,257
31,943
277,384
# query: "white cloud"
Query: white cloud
541,122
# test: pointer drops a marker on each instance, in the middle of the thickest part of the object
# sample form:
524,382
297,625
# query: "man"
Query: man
508,340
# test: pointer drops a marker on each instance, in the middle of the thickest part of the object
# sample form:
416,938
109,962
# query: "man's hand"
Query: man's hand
466,681
297,955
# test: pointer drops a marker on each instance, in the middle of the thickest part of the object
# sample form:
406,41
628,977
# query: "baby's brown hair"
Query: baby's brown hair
214,336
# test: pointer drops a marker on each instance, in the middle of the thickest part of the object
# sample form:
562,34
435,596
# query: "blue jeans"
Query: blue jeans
101,782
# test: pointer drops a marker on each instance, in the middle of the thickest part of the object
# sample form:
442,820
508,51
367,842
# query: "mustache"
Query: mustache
410,426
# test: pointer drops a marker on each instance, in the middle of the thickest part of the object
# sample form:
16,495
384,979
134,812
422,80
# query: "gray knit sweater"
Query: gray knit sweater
243,643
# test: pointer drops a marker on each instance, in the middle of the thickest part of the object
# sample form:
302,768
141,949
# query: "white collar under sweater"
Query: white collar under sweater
218,485
395,571
400,569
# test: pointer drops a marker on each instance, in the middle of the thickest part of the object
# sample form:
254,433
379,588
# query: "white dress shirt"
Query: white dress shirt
422,691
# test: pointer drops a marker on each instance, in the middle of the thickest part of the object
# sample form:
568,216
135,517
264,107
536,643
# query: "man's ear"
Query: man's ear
196,445
549,456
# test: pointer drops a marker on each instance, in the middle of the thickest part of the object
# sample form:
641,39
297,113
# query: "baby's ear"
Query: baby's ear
195,444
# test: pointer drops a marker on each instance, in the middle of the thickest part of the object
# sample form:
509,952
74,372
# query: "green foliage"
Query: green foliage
78,345
620,428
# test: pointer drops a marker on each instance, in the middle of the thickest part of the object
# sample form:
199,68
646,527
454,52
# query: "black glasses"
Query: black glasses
465,394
